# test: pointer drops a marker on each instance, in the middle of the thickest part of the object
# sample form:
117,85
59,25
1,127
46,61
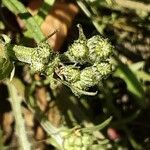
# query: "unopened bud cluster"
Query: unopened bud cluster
89,61
95,49
95,53
41,57
78,140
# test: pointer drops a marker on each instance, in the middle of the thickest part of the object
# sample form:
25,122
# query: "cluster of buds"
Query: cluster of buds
90,61
93,50
78,140
83,138
95,53
41,57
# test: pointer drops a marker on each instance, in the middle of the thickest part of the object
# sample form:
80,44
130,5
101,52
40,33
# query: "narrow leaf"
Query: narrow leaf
43,11
98,127
133,85
18,9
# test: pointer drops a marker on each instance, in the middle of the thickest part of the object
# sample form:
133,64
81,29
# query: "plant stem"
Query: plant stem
15,101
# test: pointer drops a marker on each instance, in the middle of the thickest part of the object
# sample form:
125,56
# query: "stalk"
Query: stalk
20,125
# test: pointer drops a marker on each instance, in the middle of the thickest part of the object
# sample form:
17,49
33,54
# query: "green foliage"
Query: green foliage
44,9
82,138
18,9
6,68
133,84
84,68
43,60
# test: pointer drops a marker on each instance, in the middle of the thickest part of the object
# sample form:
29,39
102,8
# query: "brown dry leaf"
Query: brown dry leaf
40,136
39,133
7,124
28,116
54,114
60,17
41,96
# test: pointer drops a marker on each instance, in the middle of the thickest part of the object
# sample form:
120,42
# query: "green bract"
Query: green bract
89,77
70,73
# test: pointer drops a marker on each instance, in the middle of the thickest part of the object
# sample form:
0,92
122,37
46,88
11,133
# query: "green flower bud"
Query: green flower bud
71,141
78,51
70,73
89,77
76,88
104,68
86,139
50,68
78,141
40,57
67,146
84,148
99,48
80,87
36,66
45,52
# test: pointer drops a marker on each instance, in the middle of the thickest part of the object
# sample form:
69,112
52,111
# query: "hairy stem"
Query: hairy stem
20,125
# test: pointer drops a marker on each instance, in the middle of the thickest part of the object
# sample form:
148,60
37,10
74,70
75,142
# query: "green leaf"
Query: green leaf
18,8
133,85
137,66
43,11
98,127
143,75
6,68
